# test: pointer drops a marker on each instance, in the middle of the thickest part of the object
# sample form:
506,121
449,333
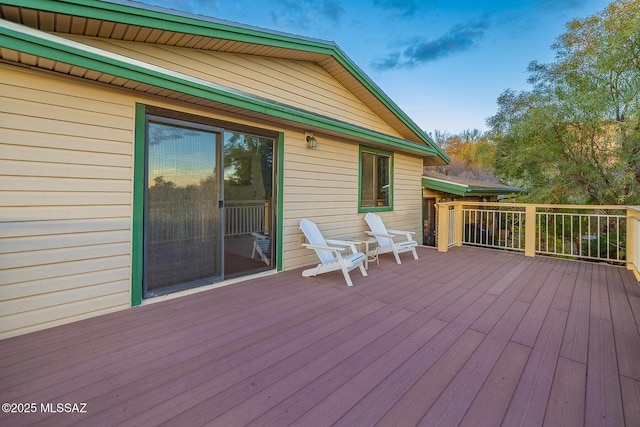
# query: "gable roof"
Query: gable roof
26,37
463,186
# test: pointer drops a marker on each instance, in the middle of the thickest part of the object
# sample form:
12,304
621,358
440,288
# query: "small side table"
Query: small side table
365,240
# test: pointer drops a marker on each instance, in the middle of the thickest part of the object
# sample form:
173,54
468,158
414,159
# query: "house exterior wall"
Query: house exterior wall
65,200
427,192
66,196
300,84
322,185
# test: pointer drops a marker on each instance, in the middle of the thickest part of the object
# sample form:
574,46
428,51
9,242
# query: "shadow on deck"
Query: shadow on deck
470,337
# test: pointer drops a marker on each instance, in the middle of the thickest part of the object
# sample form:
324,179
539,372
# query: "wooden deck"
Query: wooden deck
469,337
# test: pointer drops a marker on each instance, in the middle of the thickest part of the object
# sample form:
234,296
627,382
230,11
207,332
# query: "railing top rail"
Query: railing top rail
634,209
543,206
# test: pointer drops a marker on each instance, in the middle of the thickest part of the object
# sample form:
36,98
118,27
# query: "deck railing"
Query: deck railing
601,233
245,218
193,221
633,240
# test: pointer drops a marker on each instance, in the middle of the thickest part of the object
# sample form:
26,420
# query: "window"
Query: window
376,180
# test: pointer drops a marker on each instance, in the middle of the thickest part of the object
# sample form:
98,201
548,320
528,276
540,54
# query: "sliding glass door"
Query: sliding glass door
249,203
183,215
209,204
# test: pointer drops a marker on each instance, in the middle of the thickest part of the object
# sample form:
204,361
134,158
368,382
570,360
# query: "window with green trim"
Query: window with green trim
376,180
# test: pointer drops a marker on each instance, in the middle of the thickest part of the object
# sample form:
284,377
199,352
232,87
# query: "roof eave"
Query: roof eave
40,44
131,13
464,190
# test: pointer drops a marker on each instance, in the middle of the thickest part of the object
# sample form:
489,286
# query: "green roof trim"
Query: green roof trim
140,14
155,17
41,44
464,190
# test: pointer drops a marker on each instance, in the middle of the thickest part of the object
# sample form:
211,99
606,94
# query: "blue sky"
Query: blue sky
444,62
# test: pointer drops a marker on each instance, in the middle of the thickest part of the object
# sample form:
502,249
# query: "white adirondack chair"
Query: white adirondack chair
331,257
262,247
385,237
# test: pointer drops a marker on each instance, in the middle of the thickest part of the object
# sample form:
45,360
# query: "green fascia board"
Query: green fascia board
463,189
445,187
143,15
41,44
152,17
27,40
488,191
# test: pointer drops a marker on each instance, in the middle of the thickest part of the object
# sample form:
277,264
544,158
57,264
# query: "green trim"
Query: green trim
137,261
465,190
153,17
146,16
365,209
445,187
33,42
280,202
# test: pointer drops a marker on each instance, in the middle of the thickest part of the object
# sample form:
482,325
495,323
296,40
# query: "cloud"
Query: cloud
522,18
292,15
204,7
331,10
460,37
559,4
403,8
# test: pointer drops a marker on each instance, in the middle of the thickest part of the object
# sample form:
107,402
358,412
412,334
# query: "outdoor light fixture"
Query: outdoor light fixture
312,142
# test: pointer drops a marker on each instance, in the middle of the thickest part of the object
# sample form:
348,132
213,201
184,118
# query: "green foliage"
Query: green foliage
608,246
471,154
575,136
471,146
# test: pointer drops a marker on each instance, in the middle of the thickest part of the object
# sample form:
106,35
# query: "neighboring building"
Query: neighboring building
438,187
144,151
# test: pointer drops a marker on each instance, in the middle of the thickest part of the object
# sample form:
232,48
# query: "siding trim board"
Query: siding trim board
137,261
280,168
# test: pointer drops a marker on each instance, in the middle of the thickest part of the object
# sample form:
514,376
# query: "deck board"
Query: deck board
453,403
423,393
627,339
566,401
492,401
603,398
468,337
529,402
576,337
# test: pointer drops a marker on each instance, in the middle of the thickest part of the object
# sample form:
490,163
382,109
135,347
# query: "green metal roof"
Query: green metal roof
463,190
46,45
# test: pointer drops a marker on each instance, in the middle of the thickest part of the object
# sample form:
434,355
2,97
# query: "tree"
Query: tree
575,136
471,154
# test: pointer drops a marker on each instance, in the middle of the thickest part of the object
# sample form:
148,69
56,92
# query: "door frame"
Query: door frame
430,228
139,185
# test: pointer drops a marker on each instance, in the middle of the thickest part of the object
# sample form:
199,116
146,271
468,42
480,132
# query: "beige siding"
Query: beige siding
65,200
407,212
300,84
322,185
66,172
